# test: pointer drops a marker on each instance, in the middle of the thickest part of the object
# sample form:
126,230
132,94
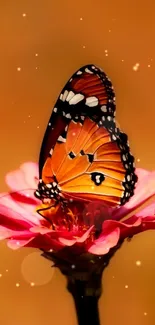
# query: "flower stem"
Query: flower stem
84,275
86,292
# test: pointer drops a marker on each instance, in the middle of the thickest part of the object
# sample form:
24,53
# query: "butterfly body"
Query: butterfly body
84,156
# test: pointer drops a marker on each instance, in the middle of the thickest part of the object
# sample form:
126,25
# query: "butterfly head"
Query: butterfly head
48,192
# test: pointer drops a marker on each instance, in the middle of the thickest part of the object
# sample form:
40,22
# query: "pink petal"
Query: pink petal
72,241
84,237
131,226
145,190
45,242
23,178
67,242
11,209
4,233
41,230
14,244
106,242
140,172
31,173
147,211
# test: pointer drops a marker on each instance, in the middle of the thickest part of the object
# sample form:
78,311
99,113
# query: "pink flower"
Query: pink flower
90,228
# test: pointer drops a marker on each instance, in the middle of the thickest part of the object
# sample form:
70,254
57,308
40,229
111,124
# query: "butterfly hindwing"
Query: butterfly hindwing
93,163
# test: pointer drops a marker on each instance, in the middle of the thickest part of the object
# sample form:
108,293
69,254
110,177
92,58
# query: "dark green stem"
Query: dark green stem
86,293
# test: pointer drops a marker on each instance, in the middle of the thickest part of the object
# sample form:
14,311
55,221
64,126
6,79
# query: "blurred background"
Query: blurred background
42,44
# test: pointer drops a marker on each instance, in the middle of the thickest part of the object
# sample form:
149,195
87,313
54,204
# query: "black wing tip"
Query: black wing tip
90,66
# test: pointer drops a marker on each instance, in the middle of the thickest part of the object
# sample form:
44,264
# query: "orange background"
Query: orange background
42,44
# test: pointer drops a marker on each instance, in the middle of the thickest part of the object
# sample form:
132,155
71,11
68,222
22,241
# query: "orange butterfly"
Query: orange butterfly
84,156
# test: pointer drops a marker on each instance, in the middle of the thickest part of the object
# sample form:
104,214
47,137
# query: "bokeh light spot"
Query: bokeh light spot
36,269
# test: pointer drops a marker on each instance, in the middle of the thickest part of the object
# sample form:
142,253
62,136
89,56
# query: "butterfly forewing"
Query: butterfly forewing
88,92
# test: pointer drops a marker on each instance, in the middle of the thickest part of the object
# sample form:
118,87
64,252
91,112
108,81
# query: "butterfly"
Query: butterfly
84,156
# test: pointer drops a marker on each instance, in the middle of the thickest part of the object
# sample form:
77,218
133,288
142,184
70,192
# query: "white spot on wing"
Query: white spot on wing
61,96
88,71
104,108
70,96
65,95
51,151
55,109
68,116
128,178
79,72
114,137
92,101
76,99
48,185
61,139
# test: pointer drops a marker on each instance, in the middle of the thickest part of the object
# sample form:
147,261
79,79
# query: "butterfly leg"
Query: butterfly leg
48,212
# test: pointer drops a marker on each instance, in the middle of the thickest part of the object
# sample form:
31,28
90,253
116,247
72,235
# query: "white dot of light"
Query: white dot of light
36,54
32,284
138,263
81,18
136,67
84,47
30,266
0,275
122,60
6,270
106,51
145,314
38,127
36,68
109,30
126,286
17,285
149,65
138,160
18,69
24,14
